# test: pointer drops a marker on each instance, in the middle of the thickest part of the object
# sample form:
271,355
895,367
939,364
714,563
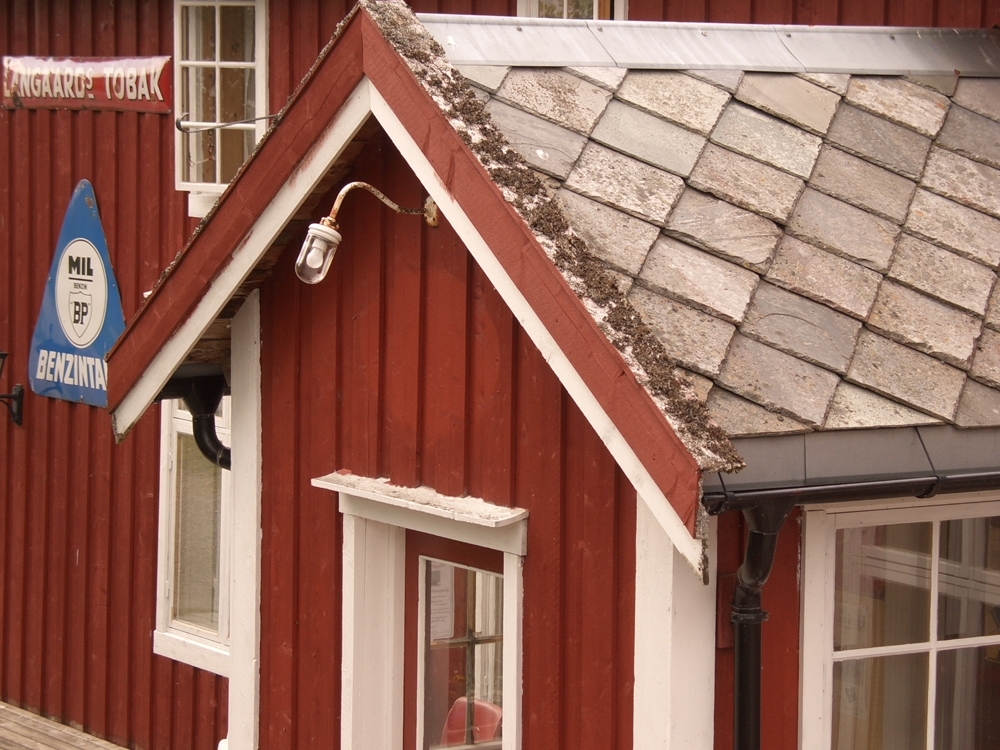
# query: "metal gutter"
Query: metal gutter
858,50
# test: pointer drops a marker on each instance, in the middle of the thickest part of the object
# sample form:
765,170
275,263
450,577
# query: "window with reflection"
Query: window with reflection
576,9
916,635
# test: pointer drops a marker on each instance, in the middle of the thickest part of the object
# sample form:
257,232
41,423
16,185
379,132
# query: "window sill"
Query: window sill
199,203
209,657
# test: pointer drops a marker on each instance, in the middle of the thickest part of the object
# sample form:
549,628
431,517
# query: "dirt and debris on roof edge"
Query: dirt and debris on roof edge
586,275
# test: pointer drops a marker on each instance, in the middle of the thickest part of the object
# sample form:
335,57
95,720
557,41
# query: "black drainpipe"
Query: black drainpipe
764,521
202,396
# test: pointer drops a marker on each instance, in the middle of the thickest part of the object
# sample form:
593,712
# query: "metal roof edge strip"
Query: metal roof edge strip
484,40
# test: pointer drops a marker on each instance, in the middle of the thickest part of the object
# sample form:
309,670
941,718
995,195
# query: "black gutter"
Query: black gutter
202,396
766,511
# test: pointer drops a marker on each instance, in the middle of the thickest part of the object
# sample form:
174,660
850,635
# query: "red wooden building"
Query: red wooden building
454,485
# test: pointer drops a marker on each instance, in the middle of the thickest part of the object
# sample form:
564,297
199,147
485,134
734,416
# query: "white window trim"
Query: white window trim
202,196
817,601
177,640
529,9
376,517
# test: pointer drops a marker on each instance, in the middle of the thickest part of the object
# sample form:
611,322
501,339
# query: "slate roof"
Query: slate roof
816,251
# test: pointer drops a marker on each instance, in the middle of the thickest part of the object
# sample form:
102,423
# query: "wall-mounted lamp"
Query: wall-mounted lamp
323,238
14,401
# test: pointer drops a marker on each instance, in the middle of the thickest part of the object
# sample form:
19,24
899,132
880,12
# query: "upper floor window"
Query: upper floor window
580,9
220,69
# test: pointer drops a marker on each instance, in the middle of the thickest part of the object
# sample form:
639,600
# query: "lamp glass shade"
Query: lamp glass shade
317,253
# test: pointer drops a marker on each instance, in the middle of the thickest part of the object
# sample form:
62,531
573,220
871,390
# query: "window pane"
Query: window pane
463,656
237,34
967,715
197,513
198,33
580,9
199,156
236,148
882,587
198,93
238,94
550,8
969,602
880,703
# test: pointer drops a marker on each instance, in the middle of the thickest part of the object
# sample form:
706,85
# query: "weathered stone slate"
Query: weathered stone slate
942,274
965,230
880,141
986,363
696,340
971,135
746,182
825,277
979,406
900,101
649,138
704,281
929,326
626,183
981,95
606,76
801,327
546,146
675,96
617,238
854,408
993,309
863,184
963,180
906,375
836,82
701,385
556,95
844,229
725,79
778,381
790,98
752,133
722,228
488,77
942,84
742,418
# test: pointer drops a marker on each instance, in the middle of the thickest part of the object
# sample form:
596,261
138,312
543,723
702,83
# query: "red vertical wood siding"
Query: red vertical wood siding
944,13
405,363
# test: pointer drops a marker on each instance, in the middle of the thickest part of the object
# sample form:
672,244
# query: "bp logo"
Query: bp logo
81,293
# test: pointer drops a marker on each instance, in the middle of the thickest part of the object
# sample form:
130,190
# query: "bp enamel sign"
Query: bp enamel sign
81,315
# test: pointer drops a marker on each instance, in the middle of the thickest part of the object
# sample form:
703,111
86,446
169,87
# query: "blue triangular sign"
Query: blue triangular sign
81,315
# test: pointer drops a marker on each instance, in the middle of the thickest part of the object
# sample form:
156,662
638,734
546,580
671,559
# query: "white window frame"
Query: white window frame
376,517
529,9
202,195
172,638
820,524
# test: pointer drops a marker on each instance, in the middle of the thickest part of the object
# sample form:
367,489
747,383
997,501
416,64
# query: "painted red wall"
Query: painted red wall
405,363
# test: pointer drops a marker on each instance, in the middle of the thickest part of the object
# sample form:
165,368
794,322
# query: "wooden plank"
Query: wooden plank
24,729
625,556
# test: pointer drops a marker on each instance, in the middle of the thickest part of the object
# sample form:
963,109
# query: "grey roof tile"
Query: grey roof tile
801,327
844,229
703,280
971,135
546,146
742,418
626,183
964,230
824,277
855,408
746,182
724,229
906,375
615,237
752,133
606,76
925,324
836,82
979,406
942,84
556,95
942,274
863,184
676,97
649,138
880,141
993,309
488,77
963,180
986,364
981,95
696,340
900,101
725,79
778,381
790,98
702,386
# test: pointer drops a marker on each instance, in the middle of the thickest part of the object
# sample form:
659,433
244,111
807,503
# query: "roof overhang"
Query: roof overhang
360,77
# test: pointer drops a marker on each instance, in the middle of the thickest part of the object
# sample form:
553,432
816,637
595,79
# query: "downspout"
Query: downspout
202,401
764,521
